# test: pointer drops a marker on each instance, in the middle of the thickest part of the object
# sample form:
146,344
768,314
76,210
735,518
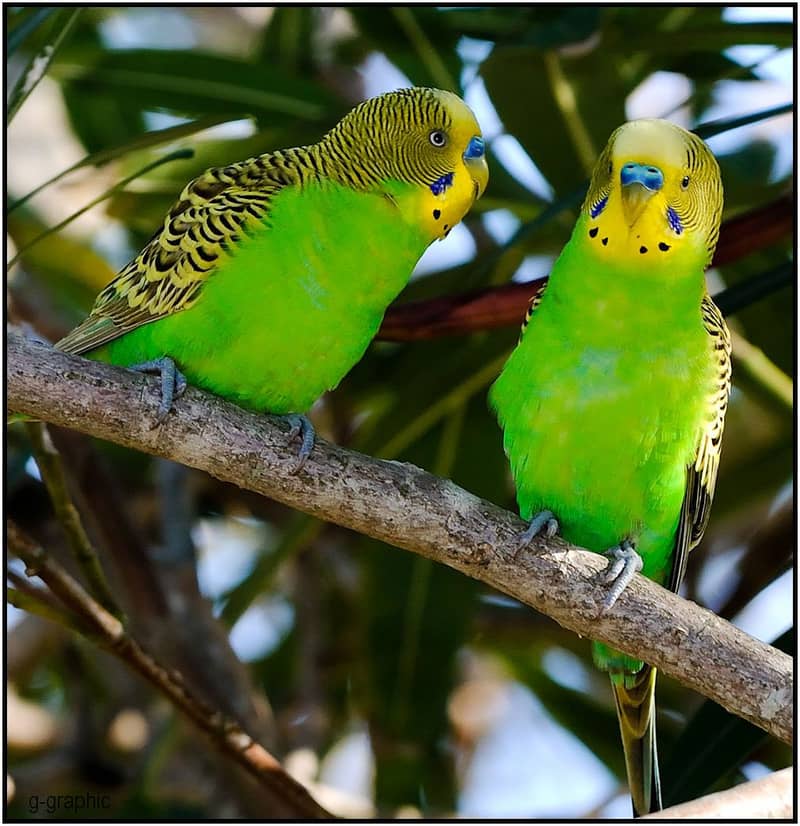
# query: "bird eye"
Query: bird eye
438,138
610,167
685,182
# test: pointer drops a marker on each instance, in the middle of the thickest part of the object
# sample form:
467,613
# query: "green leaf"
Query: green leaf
17,36
193,83
148,139
288,40
739,296
172,156
416,614
713,38
40,62
301,532
510,73
69,269
717,127
544,27
415,38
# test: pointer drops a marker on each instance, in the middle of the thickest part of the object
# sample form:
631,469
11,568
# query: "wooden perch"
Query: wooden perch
412,509
770,797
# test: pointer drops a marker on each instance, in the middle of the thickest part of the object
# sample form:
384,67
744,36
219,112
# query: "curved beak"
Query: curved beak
639,183
475,161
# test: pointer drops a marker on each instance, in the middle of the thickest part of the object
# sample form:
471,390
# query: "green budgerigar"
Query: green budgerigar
613,403
269,277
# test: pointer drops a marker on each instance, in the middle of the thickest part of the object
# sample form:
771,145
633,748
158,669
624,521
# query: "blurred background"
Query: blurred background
390,685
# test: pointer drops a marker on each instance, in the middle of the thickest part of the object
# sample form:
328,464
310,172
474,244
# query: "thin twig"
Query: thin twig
762,371
425,49
27,599
49,463
565,100
109,631
409,508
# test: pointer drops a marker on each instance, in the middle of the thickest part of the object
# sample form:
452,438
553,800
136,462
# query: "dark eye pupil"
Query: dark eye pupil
437,138
685,182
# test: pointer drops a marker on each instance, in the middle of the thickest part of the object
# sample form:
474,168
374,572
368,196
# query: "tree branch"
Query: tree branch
52,472
409,508
768,797
107,630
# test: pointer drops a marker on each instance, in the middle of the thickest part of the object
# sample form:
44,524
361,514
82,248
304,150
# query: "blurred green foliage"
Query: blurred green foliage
388,632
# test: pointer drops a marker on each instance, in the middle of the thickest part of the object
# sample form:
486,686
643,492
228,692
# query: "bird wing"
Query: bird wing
211,215
536,300
701,477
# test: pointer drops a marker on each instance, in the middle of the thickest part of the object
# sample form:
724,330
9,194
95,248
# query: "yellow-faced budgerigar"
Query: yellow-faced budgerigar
269,277
613,403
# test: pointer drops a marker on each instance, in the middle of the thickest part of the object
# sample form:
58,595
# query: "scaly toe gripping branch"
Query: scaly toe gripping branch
623,562
173,383
544,520
300,426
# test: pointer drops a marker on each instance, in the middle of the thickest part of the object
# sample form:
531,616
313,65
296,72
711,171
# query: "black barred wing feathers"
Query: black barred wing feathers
536,300
212,213
701,477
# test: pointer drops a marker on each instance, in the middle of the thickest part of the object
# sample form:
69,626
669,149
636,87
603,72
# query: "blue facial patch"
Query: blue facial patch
599,207
441,184
674,221
475,148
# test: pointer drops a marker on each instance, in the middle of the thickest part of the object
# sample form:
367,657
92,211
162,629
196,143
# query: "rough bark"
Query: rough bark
412,509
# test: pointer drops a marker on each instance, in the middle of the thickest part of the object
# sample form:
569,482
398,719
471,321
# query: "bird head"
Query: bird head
424,137
656,189
459,140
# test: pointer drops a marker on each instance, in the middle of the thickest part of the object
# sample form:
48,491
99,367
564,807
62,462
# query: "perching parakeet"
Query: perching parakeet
269,277
613,403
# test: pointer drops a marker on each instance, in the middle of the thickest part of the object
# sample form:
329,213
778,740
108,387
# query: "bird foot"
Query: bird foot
543,522
623,563
301,427
173,383
33,335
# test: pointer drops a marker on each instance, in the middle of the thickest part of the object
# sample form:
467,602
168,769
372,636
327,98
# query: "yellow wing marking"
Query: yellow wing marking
211,215
701,477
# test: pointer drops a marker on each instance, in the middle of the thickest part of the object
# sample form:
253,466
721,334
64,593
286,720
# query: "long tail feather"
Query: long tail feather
635,699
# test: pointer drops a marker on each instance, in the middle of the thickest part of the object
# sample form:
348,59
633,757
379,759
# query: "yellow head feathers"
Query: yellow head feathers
412,135
656,189
425,137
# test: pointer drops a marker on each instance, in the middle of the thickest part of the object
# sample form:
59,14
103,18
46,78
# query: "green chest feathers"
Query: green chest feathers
290,311
602,405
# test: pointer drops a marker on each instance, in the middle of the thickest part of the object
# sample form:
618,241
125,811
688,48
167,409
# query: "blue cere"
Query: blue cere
441,184
674,221
650,177
599,207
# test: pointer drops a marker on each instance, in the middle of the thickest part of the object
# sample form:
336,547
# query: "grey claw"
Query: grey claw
173,384
300,426
624,563
180,384
544,520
